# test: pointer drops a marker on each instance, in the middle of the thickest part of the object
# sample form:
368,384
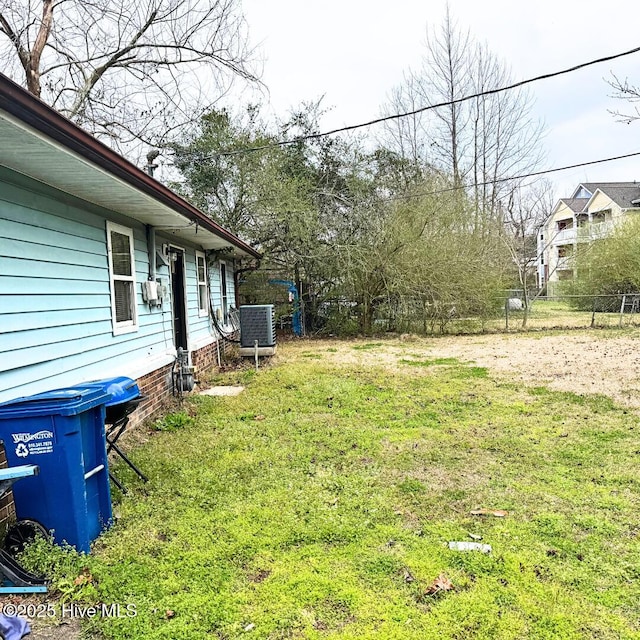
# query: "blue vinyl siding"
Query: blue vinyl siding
55,304
214,284
41,269
70,370
32,320
50,285
45,303
232,289
60,255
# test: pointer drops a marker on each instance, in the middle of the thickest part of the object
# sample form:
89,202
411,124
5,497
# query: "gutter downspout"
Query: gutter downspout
151,246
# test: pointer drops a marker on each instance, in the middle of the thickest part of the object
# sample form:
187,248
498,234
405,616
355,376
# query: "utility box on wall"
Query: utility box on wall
257,323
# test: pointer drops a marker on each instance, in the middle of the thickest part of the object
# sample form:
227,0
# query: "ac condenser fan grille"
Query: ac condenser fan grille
257,322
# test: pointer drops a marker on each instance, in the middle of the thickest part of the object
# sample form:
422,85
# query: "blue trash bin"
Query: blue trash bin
63,432
124,396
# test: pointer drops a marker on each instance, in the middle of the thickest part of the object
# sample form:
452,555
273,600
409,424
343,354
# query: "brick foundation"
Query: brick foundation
158,384
205,358
157,387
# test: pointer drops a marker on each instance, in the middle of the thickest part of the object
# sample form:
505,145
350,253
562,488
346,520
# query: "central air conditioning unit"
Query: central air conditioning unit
257,323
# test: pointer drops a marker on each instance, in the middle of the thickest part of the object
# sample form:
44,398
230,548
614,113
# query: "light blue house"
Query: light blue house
103,270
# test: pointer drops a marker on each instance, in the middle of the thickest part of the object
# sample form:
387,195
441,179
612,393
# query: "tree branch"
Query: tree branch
23,54
97,74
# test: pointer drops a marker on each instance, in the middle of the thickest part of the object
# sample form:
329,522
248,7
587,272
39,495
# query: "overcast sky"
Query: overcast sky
353,52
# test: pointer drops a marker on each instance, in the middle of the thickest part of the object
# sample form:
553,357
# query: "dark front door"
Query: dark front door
179,306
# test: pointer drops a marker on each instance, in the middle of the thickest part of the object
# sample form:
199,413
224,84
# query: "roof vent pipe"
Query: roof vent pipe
151,165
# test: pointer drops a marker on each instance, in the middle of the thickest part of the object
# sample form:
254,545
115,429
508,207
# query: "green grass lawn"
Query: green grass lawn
319,504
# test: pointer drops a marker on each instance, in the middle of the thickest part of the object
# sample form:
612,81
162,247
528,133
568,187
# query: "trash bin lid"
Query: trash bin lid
120,389
65,402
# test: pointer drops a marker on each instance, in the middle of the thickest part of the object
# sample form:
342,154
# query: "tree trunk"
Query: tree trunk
366,318
32,68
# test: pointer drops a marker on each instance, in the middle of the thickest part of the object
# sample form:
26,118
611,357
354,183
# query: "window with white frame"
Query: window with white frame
122,278
223,292
203,290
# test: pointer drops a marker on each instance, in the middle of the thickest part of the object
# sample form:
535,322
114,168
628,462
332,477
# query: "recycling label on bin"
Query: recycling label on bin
33,443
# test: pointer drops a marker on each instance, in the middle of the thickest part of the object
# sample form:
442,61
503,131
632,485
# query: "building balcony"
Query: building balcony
584,233
565,236
594,231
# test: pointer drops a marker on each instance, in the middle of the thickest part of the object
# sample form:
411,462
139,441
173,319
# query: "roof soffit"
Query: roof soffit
32,154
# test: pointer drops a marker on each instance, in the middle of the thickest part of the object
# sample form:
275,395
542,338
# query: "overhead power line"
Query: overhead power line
395,116
532,174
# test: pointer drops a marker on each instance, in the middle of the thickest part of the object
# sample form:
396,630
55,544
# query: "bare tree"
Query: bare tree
126,71
435,137
525,212
479,141
623,90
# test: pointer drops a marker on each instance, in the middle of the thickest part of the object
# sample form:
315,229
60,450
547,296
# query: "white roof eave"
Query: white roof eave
31,153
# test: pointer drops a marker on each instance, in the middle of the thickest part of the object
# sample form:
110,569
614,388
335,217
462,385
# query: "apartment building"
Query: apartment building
590,214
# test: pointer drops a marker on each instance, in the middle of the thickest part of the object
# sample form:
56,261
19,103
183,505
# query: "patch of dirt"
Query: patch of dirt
582,362
222,391
64,631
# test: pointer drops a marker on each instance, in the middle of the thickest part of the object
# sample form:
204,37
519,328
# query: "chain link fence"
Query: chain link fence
576,311
513,312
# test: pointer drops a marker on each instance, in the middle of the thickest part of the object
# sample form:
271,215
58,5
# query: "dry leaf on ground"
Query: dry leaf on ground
441,583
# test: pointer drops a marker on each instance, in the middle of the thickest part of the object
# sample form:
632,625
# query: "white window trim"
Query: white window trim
202,313
224,295
129,326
